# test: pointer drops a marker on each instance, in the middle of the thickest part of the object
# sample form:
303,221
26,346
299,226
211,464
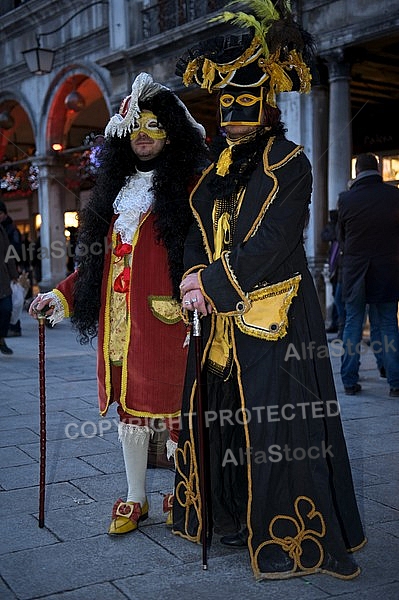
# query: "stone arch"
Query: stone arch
61,123
17,133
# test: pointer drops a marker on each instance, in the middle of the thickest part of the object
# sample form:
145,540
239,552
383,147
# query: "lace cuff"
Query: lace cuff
55,303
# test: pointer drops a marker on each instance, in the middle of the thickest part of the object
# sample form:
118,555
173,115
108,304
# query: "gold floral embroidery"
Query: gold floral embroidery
187,490
314,529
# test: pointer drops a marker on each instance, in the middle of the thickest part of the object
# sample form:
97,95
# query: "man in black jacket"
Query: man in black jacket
14,252
368,220
8,273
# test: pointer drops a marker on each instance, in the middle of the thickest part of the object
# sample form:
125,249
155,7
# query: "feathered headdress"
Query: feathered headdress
143,88
273,52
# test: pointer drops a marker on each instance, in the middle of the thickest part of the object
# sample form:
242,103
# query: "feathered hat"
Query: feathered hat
273,52
143,88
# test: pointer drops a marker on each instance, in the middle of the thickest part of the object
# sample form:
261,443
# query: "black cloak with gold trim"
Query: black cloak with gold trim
301,510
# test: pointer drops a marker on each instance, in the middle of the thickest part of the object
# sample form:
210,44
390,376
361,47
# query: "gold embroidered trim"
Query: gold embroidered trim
267,319
143,413
207,298
63,301
233,280
128,324
275,70
107,332
187,490
226,71
310,531
359,546
268,170
198,218
193,269
192,481
248,445
270,198
165,308
295,152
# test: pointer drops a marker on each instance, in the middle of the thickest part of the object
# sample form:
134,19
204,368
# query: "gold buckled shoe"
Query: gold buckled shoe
126,516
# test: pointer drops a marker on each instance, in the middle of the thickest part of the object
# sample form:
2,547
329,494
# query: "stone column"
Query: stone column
306,117
51,194
340,129
119,25
319,207
339,144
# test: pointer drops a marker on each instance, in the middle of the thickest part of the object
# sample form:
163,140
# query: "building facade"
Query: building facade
51,115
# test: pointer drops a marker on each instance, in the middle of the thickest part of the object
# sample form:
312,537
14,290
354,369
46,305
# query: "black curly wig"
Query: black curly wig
181,160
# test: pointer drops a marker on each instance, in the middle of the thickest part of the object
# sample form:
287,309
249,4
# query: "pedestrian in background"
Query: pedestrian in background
8,274
15,252
330,235
368,222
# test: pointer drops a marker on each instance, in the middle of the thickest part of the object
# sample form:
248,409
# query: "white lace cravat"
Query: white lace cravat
133,200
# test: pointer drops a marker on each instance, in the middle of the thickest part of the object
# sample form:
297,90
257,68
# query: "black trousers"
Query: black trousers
227,448
5,315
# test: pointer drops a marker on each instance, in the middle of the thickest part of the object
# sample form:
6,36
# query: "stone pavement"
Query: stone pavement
72,556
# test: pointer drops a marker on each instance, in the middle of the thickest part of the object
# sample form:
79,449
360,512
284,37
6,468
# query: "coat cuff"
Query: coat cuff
193,269
221,289
59,305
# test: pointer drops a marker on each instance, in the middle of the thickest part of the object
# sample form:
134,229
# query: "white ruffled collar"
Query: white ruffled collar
134,199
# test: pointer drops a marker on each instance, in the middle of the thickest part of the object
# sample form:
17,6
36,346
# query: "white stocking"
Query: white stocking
171,451
135,440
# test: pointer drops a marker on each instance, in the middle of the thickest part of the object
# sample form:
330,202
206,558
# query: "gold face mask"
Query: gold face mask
148,124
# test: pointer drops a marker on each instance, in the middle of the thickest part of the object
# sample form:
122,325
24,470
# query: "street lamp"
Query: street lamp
40,60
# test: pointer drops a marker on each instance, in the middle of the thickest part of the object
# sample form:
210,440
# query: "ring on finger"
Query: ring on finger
187,302
194,300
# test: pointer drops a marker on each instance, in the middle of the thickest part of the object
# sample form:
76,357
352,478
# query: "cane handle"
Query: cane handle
196,324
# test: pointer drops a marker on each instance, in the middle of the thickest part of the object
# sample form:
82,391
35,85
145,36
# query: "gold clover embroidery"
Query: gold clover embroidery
293,544
187,490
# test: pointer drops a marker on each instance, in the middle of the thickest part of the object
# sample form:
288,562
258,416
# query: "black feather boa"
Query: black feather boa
246,157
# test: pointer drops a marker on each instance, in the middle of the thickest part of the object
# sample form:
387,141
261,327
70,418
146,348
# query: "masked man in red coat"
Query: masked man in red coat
126,285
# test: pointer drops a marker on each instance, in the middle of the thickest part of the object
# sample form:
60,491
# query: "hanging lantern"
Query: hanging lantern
39,60
6,120
74,101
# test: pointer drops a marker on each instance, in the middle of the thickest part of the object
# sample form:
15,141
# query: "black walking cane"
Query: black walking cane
42,384
206,513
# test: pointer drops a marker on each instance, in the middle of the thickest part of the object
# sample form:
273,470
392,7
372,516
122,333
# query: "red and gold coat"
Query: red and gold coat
153,358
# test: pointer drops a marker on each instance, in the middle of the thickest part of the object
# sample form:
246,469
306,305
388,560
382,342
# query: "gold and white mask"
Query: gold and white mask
147,123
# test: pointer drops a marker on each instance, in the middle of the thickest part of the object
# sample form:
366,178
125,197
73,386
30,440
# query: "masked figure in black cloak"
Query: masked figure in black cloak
280,476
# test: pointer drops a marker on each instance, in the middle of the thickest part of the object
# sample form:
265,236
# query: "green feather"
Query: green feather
264,10
264,13
241,19
224,16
